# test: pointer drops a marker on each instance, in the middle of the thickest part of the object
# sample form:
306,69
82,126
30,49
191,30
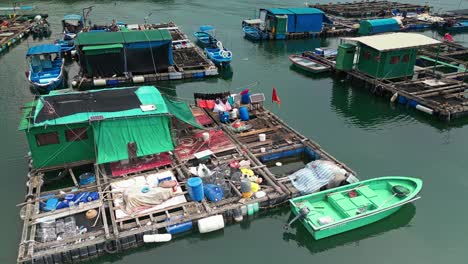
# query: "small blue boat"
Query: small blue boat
45,67
458,26
72,25
219,55
206,36
252,30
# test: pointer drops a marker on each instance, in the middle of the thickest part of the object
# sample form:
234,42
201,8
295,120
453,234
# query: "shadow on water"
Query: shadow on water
303,238
364,110
292,46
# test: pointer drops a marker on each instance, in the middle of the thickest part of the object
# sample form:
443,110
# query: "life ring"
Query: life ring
112,246
226,54
223,54
219,44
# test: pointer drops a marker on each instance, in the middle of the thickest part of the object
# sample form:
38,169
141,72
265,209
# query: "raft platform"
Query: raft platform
438,86
115,231
189,63
18,28
365,9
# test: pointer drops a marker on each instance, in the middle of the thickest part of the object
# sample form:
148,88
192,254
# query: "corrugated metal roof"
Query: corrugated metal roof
305,11
279,11
395,41
292,11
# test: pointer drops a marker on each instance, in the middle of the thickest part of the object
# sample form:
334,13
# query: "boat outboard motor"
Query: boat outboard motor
303,212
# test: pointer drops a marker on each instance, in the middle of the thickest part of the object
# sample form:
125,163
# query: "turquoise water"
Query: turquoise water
372,136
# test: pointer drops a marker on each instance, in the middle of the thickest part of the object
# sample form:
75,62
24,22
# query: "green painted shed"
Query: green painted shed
389,56
100,126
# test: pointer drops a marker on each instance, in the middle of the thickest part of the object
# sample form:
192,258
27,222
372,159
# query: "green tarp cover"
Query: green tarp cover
181,111
102,38
146,95
151,135
101,47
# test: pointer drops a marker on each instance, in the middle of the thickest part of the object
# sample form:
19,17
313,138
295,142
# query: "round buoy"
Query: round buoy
74,83
90,214
279,164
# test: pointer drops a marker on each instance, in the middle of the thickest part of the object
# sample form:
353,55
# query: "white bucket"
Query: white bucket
157,238
211,223
262,150
206,136
234,113
262,137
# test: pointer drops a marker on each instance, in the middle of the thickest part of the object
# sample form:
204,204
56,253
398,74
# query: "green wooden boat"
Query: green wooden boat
341,209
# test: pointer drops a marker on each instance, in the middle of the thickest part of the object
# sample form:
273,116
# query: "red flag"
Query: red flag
246,91
447,37
274,97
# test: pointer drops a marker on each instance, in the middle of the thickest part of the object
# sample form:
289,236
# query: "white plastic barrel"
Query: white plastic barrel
394,97
210,224
262,137
234,113
206,136
424,109
138,79
157,238
99,82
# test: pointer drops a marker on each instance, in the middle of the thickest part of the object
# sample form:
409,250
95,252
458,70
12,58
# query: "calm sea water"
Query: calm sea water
372,136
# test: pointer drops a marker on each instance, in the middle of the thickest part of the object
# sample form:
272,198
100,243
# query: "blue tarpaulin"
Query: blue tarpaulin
43,49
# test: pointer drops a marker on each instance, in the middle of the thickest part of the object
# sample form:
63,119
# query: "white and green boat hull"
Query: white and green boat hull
347,212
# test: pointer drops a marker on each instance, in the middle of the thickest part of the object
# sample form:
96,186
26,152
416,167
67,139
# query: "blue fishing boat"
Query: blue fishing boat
45,67
458,26
219,55
252,29
205,36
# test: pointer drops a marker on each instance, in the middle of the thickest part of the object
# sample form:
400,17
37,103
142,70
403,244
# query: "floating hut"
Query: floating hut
285,23
409,68
138,54
136,183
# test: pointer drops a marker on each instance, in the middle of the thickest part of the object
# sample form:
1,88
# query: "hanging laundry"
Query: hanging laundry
219,106
201,103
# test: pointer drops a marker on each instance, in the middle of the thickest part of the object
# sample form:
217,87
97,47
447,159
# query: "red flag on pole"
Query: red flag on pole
274,97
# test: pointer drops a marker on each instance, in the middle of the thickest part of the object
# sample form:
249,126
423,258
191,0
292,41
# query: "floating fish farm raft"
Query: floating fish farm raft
101,224
14,29
364,9
433,79
188,62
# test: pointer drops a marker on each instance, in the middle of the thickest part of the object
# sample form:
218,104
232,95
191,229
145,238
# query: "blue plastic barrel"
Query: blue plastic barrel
224,117
245,98
244,113
213,192
87,178
178,228
195,188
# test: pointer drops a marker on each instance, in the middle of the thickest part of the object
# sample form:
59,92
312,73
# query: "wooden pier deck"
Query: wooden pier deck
190,62
438,86
112,231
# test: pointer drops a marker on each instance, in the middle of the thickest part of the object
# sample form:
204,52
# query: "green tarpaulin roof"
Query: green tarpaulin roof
102,38
146,95
182,111
101,47
150,134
